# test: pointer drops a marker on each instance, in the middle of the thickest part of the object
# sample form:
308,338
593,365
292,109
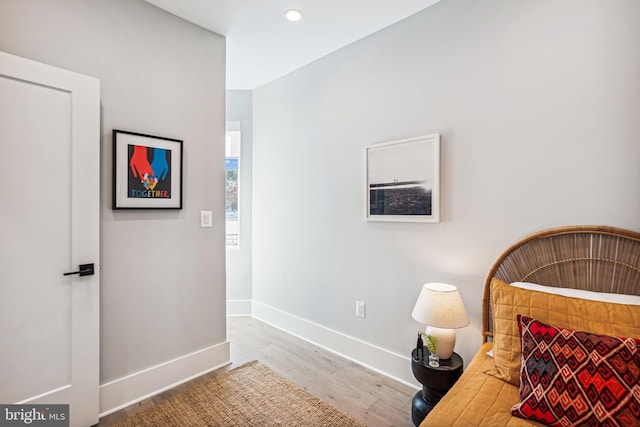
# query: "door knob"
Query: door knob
84,270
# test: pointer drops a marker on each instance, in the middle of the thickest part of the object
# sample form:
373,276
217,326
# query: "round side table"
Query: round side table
436,382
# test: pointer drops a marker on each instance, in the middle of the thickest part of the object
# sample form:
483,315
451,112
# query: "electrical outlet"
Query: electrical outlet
360,309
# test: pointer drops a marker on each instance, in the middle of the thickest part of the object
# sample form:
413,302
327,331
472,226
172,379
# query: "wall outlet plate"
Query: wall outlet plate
206,219
360,309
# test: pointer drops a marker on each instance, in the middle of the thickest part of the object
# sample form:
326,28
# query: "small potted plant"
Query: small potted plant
431,343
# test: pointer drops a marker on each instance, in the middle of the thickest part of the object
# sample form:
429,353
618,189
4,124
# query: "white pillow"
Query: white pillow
579,293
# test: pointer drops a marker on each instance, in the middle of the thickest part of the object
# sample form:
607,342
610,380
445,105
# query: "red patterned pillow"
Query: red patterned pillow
570,378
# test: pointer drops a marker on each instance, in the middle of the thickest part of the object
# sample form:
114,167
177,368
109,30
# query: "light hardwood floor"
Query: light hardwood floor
364,394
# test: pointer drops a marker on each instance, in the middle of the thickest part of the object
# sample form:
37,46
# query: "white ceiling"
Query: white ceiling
262,46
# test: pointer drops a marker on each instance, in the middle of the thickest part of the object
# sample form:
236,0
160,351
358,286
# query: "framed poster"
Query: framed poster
147,171
403,180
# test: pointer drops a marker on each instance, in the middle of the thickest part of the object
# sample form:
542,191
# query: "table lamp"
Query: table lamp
440,307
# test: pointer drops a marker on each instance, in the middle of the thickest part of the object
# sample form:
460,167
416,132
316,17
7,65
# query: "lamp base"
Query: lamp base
445,341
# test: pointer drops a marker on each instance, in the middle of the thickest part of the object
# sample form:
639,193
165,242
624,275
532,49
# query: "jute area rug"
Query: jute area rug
249,395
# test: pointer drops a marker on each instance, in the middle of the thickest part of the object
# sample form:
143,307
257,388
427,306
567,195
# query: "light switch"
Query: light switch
206,219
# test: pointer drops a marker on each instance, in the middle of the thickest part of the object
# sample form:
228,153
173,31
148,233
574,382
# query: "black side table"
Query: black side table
436,382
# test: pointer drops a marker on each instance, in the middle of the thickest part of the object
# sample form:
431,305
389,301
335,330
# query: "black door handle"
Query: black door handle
85,270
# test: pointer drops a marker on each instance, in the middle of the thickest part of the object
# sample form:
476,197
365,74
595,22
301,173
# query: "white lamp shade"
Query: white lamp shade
440,305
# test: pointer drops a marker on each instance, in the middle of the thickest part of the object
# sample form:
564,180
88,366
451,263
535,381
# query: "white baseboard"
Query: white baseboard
388,363
120,393
238,307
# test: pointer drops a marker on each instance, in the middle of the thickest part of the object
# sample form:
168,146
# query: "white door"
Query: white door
49,224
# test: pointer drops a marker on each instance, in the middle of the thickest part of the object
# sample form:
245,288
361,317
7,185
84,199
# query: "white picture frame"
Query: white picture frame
403,180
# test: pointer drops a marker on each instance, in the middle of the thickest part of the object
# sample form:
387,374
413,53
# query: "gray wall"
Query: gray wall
240,109
537,104
163,283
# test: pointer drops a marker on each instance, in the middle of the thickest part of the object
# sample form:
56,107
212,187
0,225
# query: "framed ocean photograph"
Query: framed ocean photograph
403,180
147,171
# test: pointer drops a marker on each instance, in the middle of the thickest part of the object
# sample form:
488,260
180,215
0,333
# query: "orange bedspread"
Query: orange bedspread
477,399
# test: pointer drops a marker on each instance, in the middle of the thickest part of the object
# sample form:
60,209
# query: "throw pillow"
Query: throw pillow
570,378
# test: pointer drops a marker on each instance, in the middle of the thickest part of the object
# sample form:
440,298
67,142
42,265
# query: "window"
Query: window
232,170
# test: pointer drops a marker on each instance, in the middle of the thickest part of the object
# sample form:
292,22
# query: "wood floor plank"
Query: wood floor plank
368,396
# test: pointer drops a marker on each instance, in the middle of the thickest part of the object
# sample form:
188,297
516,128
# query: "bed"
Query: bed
576,278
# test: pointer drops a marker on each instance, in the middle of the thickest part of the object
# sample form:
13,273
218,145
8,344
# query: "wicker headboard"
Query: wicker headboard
594,258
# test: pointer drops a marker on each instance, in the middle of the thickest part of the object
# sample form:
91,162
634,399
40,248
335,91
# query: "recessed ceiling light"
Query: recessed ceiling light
293,15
